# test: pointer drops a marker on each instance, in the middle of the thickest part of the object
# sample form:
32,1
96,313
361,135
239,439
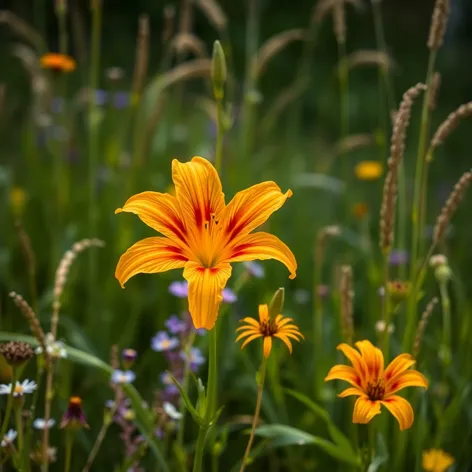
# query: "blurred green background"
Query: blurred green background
65,202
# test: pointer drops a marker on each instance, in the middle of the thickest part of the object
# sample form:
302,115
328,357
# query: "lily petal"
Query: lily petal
350,391
160,211
344,372
267,345
401,410
373,358
400,364
364,410
205,287
149,256
263,313
252,207
410,378
262,246
198,191
355,359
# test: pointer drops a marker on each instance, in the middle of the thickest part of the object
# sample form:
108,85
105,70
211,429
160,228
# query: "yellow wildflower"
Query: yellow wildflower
436,460
368,170
279,327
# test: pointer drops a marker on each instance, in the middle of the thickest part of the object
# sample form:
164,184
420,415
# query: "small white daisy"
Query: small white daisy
56,349
40,423
27,386
122,376
171,411
9,438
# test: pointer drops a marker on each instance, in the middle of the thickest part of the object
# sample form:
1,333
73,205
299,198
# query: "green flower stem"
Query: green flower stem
19,430
416,218
6,418
386,309
211,399
96,7
318,324
47,413
343,101
219,135
446,310
255,420
371,449
70,436
101,436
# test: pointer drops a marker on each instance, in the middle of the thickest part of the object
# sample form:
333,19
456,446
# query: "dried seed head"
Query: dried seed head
62,273
422,326
186,14
347,296
213,11
324,7
273,46
365,57
115,74
438,24
142,56
16,352
451,122
168,29
31,317
437,260
450,207
355,141
27,249
189,43
397,149
339,22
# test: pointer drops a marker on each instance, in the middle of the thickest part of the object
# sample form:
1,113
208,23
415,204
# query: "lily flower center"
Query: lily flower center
376,390
210,246
268,328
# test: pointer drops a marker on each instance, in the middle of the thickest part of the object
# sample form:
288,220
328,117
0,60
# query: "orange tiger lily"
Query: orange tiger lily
203,235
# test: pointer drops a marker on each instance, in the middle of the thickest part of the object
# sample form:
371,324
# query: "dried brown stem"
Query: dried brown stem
422,326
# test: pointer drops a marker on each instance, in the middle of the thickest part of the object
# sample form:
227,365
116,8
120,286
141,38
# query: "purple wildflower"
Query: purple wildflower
255,269
121,100
175,325
196,358
398,257
180,289
163,342
229,296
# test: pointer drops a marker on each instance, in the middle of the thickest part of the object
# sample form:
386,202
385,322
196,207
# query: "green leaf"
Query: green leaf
336,435
197,418
282,435
144,418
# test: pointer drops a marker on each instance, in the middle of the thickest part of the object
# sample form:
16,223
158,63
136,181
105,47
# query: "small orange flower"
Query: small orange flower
436,460
368,170
58,62
280,327
360,210
375,385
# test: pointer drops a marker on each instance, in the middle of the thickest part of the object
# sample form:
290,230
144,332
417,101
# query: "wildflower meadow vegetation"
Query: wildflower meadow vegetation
198,272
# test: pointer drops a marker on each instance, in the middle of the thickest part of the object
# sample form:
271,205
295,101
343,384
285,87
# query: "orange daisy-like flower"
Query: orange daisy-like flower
58,62
203,235
279,327
375,385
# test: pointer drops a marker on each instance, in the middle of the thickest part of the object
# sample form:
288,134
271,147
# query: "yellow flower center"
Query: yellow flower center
375,390
165,343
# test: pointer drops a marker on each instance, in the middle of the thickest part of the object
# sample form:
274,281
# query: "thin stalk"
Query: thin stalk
343,92
446,310
219,135
318,324
252,38
386,311
47,415
98,442
371,434
255,420
416,218
96,7
6,418
70,435
199,448
19,430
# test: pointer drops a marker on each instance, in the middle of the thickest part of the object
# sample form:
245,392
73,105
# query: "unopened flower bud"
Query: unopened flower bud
277,303
218,70
443,273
